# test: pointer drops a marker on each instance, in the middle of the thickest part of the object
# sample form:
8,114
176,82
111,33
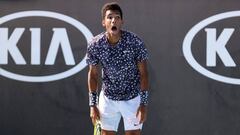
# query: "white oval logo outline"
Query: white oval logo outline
39,13
187,42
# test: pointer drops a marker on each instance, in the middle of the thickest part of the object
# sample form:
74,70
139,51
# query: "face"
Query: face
112,22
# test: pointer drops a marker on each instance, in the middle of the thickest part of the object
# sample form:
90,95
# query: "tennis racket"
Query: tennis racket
97,128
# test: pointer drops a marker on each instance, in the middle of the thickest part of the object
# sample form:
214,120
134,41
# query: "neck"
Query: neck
113,39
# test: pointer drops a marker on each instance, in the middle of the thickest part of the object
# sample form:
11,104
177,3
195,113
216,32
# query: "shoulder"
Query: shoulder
129,34
132,37
97,40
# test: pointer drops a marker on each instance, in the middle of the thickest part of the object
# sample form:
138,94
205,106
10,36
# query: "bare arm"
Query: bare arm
142,66
92,87
142,110
92,78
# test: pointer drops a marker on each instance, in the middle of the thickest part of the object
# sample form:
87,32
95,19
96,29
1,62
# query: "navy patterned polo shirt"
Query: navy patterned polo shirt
120,74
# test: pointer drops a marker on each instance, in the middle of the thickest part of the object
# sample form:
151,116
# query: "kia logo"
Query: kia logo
59,42
217,46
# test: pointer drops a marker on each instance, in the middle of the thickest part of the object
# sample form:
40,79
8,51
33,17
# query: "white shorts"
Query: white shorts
111,112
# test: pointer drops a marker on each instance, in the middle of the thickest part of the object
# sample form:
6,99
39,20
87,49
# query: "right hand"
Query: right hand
94,114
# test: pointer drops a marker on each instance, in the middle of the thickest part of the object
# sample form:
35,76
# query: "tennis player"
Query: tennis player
122,56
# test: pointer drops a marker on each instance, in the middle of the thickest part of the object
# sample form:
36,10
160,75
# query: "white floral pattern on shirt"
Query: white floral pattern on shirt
120,74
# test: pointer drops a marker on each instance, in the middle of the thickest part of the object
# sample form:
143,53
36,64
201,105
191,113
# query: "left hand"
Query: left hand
94,114
142,113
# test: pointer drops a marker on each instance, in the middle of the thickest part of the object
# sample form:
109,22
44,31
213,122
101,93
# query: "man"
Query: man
122,56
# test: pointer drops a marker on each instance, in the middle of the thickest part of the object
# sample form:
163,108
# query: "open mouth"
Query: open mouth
114,28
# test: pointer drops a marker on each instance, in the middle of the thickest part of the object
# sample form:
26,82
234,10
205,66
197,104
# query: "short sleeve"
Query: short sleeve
92,58
141,51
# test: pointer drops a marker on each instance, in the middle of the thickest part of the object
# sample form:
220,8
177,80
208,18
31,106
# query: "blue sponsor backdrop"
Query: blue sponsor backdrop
182,101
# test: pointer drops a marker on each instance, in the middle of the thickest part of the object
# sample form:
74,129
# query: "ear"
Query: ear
103,23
